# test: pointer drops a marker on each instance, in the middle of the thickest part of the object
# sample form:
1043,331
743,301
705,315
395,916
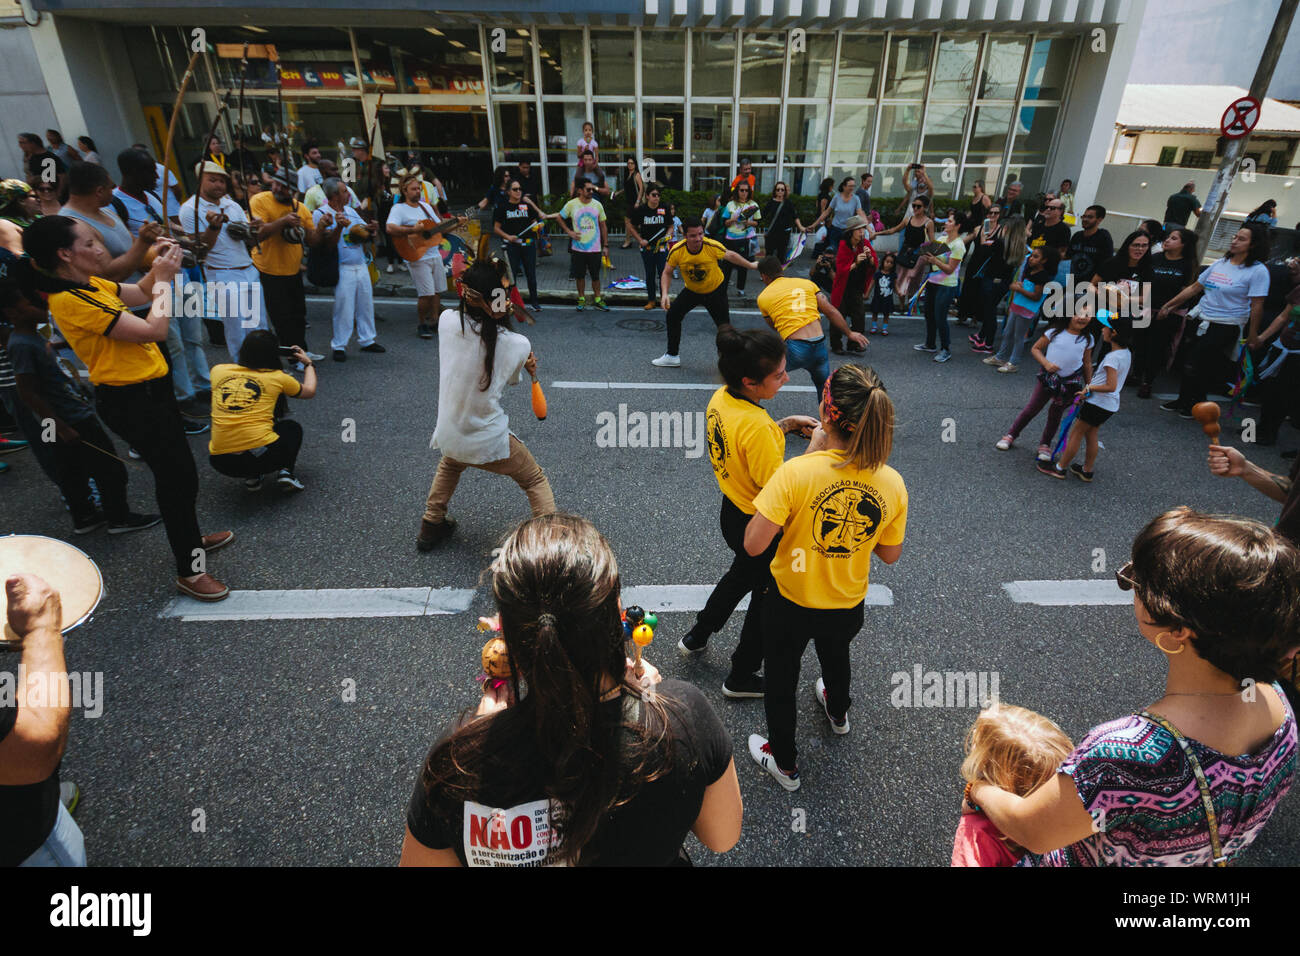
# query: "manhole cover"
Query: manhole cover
641,325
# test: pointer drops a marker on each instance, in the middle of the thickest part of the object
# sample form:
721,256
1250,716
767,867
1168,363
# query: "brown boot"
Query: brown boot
203,588
434,532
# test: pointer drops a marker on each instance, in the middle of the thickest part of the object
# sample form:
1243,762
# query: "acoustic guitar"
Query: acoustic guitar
413,246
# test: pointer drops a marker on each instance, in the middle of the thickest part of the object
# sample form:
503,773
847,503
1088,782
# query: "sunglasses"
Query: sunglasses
917,205
514,189
1124,577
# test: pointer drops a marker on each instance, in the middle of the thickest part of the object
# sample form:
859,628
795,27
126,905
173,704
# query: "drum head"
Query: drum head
69,570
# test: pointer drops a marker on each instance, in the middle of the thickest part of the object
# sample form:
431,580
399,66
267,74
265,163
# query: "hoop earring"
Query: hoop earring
1181,647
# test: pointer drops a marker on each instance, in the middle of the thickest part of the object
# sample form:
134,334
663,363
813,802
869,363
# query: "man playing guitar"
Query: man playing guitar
416,231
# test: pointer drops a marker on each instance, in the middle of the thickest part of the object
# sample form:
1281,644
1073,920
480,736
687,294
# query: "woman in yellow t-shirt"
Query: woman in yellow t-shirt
133,389
745,448
837,504
247,440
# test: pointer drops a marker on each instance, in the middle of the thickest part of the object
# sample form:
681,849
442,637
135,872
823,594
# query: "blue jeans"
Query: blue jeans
811,354
65,845
938,298
1013,337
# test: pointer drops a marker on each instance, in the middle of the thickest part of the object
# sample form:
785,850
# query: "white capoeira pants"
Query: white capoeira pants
243,311
354,306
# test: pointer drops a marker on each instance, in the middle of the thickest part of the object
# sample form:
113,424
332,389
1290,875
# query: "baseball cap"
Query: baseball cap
356,142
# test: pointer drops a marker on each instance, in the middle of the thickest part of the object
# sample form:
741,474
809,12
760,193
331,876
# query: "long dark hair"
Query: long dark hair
1122,256
1268,207
45,237
1259,244
260,350
486,277
556,587
752,353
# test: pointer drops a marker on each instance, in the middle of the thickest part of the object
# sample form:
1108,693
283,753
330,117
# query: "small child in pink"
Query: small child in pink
1014,749
588,141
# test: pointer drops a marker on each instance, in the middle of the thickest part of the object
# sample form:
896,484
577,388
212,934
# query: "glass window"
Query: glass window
663,63
851,138
662,133
989,136
710,134
421,61
1031,180
860,56
762,61
517,130
759,126
944,127
988,175
713,63
615,133
1034,134
446,140
561,54
1049,66
714,179
909,61
805,133
613,62
810,68
803,180
512,69
563,130
1002,66
954,73
900,127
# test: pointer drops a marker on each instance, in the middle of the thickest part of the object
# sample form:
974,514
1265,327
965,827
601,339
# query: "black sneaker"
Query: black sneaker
1077,470
693,642
287,481
374,347
1049,469
837,348
740,686
340,355
89,523
193,426
133,522
1172,407
425,331
431,534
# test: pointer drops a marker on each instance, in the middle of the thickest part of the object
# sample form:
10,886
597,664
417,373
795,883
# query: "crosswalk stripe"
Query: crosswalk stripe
1083,591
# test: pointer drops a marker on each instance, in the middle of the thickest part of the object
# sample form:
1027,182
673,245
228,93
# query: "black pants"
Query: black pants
146,417
1207,367
715,302
991,293
1151,348
31,432
740,247
778,244
523,258
654,263
970,304
854,309
282,453
752,576
76,463
286,306
787,629
1279,397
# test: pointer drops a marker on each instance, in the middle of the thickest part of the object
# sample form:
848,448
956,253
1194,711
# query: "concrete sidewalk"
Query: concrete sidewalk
555,286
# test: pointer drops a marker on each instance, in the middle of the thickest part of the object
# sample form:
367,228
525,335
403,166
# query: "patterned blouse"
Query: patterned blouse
1141,792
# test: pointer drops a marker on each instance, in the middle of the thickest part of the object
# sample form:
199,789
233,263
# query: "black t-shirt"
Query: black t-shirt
595,176
1180,207
1088,252
1117,269
1280,285
31,355
651,223
647,830
514,218
1057,237
1169,277
779,216
28,812
1288,523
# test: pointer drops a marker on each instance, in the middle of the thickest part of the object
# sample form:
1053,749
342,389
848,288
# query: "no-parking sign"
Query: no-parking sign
1240,118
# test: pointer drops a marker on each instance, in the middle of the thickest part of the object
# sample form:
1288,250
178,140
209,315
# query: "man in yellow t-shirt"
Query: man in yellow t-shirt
697,258
279,259
794,308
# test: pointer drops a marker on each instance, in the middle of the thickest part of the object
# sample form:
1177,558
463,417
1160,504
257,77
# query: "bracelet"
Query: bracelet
965,795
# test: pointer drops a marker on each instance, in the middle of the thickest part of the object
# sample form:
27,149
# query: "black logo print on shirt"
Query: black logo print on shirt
238,394
845,516
717,444
697,273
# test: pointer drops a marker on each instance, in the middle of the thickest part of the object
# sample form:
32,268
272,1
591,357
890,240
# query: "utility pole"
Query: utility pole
1236,148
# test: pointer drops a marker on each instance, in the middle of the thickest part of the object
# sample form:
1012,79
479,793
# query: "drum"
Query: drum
68,570
238,231
293,234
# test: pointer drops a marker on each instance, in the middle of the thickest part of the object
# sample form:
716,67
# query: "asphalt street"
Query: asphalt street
247,721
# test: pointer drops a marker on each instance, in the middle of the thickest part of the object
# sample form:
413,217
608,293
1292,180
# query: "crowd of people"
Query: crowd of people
610,763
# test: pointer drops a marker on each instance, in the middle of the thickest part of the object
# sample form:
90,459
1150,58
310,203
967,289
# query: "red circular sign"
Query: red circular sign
1241,118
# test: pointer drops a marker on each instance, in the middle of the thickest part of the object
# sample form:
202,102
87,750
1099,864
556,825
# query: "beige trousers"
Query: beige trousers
521,466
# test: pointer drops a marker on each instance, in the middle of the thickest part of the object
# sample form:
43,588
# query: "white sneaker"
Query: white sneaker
820,689
1008,369
668,361
761,751
1004,443
389,270
316,356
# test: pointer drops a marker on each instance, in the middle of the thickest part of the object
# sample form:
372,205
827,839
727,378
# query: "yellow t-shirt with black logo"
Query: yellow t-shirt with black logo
790,303
745,447
85,315
833,520
700,270
273,255
243,406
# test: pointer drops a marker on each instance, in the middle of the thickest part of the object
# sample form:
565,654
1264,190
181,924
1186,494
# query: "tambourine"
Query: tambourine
294,234
239,231
68,570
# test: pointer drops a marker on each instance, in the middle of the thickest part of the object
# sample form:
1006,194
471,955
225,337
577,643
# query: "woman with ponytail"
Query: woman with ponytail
478,356
745,448
575,761
833,506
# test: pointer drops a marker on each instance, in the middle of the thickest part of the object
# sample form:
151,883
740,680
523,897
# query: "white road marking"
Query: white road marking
663,386
326,603
666,598
1083,591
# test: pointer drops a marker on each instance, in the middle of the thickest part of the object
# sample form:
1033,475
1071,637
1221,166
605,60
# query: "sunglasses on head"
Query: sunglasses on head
1124,577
